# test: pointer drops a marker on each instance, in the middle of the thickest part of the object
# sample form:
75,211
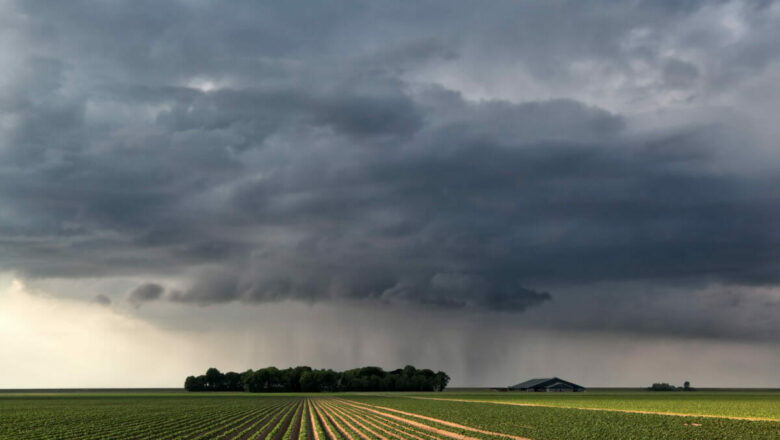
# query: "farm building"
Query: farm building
551,384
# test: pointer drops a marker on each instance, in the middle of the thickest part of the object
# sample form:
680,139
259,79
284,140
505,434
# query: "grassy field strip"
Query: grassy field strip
330,431
329,417
258,423
629,411
355,424
379,410
393,430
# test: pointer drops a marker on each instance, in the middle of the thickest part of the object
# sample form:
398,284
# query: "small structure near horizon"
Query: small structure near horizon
552,384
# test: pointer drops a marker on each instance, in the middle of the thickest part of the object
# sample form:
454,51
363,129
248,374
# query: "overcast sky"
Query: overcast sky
588,189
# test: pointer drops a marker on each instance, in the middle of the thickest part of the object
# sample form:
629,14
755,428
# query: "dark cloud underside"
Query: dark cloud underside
145,293
262,153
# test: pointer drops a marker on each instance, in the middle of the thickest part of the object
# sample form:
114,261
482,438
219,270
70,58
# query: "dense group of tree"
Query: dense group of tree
307,379
667,387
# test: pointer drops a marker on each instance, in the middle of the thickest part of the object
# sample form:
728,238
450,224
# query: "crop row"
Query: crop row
544,423
243,419
342,419
272,418
757,404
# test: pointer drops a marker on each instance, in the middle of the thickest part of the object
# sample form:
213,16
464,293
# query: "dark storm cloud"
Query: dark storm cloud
264,154
145,293
685,309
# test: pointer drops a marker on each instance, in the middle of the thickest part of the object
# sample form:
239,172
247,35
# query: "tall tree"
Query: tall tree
214,380
440,381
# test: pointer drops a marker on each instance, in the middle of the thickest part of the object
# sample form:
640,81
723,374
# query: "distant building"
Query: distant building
552,384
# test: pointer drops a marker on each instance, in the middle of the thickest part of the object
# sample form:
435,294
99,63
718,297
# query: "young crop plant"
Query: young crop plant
356,424
305,424
282,423
264,426
540,423
341,423
256,424
294,428
317,430
140,416
385,427
327,425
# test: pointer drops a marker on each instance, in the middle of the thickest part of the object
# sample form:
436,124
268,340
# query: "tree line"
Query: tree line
307,379
667,387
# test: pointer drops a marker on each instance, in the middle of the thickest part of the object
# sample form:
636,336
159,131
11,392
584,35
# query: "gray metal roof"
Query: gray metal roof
532,383
543,383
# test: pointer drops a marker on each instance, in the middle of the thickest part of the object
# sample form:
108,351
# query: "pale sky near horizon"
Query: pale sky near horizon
587,189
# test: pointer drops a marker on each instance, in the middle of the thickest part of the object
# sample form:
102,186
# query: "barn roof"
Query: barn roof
546,382
531,383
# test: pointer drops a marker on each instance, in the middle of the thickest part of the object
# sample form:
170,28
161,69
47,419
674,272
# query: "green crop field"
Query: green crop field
412,416
754,404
